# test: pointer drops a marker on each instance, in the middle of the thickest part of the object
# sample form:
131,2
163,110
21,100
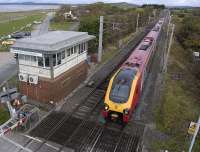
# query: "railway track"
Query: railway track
77,131
81,131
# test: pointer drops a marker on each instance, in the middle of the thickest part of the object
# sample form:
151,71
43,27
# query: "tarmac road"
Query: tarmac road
8,66
74,27
43,28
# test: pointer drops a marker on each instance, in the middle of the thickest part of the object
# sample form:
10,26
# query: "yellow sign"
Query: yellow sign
192,128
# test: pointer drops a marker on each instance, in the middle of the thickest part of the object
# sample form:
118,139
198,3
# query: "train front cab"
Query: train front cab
121,96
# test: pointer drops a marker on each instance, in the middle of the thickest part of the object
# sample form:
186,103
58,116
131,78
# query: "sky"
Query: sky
166,2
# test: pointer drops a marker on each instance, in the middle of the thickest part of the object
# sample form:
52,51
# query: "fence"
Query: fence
26,118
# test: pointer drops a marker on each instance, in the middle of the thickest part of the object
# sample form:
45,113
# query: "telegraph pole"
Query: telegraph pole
100,39
149,19
194,136
169,47
137,23
169,17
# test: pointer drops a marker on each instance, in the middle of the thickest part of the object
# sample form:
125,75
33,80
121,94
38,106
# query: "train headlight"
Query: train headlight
126,111
106,107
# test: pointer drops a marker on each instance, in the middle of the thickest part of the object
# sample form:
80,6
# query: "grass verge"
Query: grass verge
180,102
15,25
4,115
4,48
11,16
60,25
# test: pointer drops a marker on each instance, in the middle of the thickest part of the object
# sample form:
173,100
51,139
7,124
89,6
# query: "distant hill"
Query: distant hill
121,4
29,3
124,5
182,7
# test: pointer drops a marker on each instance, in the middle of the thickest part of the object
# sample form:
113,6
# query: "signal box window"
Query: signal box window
46,59
54,59
27,57
68,52
21,57
58,58
33,58
40,62
72,50
63,55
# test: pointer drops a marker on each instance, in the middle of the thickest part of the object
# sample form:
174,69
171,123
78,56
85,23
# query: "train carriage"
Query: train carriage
126,85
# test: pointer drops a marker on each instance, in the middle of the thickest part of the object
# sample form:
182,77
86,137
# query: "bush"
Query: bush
189,32
90,24
4,115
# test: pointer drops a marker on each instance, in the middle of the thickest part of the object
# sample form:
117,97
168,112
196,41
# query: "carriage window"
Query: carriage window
144,47
156,29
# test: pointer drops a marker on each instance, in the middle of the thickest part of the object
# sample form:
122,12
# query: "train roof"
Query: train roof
142,52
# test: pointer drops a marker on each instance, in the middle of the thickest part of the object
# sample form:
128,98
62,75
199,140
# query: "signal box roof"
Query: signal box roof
52,41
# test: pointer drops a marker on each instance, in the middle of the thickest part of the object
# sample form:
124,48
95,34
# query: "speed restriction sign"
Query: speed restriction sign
192,128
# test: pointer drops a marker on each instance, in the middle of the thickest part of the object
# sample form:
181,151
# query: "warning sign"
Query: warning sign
193,126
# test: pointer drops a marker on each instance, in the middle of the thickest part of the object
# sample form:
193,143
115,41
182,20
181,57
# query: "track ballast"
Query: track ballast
81,130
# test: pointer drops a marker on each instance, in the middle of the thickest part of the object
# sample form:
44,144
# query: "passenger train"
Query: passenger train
126,85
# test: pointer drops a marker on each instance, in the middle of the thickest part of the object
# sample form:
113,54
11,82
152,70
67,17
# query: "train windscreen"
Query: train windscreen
122,85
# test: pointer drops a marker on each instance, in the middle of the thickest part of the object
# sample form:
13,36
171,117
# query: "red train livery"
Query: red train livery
127,83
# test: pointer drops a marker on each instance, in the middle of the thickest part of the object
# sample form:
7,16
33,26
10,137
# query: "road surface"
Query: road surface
74,27
43,28
8,66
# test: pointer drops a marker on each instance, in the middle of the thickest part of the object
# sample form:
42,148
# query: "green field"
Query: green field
15,25
60,25
4,48
4,115
10,16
